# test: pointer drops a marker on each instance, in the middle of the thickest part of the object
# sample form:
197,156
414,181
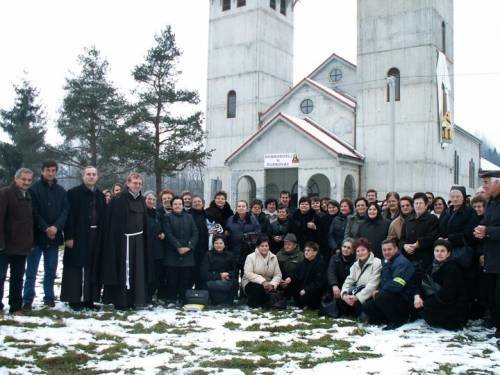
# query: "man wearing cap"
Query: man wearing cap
289,258
489,232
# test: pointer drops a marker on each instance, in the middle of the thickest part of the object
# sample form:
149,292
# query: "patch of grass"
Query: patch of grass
344,355
328,342
358,331
476,371
446,368
114,351
102,336
156,350
68,363
7,362
89,348
363,348
248,366
12,339
232,325
16,323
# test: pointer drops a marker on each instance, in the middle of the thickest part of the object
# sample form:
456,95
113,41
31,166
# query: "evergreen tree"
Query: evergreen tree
25,125
166,141
92,117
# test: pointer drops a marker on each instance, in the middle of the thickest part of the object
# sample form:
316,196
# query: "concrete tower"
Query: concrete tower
250,65
405,39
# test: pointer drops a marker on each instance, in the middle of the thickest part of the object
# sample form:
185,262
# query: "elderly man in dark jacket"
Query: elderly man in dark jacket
391,303
489,233
182,237
80,286
50,211
16,235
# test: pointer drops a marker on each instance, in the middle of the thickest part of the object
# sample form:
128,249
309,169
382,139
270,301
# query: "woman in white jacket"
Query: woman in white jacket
363,279
262,274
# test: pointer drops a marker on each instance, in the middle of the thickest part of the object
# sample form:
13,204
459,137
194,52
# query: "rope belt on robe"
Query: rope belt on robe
127,262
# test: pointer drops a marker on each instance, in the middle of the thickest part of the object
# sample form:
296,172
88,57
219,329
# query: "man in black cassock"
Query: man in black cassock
127,266
80,285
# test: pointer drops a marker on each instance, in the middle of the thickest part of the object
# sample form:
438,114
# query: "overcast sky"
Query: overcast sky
44,38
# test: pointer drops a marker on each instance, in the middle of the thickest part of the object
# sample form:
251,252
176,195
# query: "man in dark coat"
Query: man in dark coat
279,228
489,233
50,211
16,235
419,233
80,286
127,264
391,303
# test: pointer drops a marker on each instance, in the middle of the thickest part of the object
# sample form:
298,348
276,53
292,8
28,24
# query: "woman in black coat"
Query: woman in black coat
441,300
218,272
340,266
374,228
199,215
182,237
325,222
156,238
339,223
304,223
308,281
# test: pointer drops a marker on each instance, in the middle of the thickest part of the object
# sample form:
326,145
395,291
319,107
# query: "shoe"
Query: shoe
17,311
498,343
495,335
363,318
391,327
488,323
77,306
50,303
27,307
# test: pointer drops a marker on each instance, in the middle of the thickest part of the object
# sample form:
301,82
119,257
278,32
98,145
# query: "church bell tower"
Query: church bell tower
250,65
401,132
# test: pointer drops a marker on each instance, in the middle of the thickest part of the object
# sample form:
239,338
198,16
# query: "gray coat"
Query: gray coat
180,231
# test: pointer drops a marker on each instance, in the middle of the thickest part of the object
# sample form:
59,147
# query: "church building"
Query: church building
384,123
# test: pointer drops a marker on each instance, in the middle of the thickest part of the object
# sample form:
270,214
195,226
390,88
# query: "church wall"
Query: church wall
348,83
328,113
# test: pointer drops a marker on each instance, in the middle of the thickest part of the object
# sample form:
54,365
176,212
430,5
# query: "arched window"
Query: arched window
394,72
272,4
456,169
283,7
231,104
443,36
241,3
226,5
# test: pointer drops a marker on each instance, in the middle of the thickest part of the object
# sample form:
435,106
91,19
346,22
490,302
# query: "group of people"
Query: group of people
385,262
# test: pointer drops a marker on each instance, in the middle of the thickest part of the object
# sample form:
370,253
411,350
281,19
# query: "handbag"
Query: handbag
463,255
329,307
196,297
355,289
277,300
429,286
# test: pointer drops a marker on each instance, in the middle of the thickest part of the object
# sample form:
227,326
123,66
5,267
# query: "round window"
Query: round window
306,106
336,75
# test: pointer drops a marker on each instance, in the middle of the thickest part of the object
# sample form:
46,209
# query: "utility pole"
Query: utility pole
391,82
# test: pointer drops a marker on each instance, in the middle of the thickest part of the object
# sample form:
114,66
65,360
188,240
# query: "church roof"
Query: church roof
344,99
310,129
333,56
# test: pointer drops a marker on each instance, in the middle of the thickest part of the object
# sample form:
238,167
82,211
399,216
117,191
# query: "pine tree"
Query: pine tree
166,140
25,125
92,117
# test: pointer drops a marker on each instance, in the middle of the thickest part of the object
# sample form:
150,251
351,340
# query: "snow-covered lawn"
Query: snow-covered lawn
237,340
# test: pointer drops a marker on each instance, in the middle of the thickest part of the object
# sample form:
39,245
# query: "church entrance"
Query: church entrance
280,179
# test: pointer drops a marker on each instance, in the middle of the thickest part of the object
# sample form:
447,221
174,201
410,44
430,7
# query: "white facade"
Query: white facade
250,53
337,120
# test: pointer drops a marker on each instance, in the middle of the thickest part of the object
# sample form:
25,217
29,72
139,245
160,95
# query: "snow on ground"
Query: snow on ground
231,340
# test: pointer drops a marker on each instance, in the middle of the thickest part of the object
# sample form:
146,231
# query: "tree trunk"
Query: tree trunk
156,162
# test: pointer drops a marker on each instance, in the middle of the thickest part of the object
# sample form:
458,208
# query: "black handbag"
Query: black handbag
429,286
329,307
355,289
463,255
196,297
277,300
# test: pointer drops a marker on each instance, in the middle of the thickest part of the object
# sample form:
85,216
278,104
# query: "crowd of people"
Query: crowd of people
385,261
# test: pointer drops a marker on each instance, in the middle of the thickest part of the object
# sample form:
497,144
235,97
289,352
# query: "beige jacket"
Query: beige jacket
259,269
395,228
370,278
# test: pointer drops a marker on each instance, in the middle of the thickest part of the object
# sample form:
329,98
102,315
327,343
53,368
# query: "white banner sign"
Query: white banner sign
290,160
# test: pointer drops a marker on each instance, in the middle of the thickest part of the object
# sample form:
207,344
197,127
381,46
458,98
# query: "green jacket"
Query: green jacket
289,261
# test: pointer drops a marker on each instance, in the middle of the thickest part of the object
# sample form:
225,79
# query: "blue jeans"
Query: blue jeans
50,256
